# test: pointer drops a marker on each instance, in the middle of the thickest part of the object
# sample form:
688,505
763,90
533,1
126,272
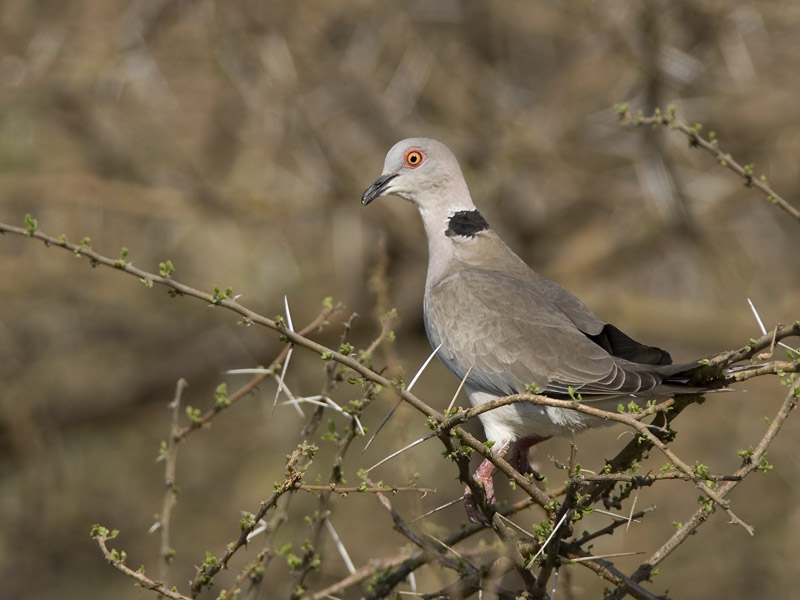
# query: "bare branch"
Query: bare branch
710,145
117,560
170,489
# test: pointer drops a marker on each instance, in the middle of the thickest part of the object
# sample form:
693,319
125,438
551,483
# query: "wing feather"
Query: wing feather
514,332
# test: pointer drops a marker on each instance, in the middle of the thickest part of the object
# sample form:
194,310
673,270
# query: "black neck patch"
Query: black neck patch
466,223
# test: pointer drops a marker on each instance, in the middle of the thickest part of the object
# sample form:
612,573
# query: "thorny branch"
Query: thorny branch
555,549
749,465
273,368
170,457
117,560
710,145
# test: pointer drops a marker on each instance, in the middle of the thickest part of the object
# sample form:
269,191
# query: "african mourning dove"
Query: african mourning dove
504,327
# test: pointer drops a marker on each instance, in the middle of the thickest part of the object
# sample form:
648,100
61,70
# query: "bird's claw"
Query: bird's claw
474,512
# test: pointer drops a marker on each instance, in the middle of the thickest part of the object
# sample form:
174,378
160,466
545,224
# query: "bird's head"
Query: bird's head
424,172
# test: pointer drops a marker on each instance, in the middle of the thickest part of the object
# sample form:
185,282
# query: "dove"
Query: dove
504,329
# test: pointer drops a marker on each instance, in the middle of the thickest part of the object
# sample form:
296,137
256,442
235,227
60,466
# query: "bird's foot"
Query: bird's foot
474,512
483,476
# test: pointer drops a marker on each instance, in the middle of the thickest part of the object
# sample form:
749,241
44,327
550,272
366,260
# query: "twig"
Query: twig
322,512
248,571
403,528
360,575
448,430
117,560
752,463
641,428
710,145
365,490
269,371
612,527
295,466
647,480
170,489
609,572
776,367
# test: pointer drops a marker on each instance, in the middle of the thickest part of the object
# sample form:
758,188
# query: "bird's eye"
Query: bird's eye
414,158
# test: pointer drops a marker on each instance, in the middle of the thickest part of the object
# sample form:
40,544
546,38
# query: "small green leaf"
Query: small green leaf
221,396
220,295
248,522
166,269
193,414
121,263
31,225
622,108
85,243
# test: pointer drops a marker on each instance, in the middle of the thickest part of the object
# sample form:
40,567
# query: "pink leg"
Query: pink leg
483,475
520,458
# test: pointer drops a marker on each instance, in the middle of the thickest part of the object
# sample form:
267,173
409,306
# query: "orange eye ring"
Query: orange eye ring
414,158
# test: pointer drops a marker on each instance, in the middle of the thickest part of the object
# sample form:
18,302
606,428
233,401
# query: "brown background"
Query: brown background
236,138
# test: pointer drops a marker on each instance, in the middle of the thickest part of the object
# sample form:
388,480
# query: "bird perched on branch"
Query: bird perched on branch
504,329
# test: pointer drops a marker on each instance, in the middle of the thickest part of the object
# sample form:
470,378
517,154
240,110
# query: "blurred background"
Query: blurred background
235,139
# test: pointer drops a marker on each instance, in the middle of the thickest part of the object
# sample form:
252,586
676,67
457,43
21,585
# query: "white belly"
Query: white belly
523,419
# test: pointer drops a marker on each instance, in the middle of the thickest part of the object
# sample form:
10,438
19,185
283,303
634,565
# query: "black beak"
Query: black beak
377,188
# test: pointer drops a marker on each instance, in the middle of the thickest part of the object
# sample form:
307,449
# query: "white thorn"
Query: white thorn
391,456
342,550
435,510
285,367
288,313
262,527
630,515
614,515
394,408
761,325
383,422
758,318
547,541
422,368
613,555
460,385
281,378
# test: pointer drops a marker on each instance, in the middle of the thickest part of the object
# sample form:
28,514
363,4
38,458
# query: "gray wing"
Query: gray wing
614,341
515,332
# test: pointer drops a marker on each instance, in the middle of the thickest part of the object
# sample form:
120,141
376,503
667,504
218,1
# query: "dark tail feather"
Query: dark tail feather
621,345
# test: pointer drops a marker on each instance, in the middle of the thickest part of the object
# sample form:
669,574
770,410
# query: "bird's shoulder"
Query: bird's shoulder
524,304
514,291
